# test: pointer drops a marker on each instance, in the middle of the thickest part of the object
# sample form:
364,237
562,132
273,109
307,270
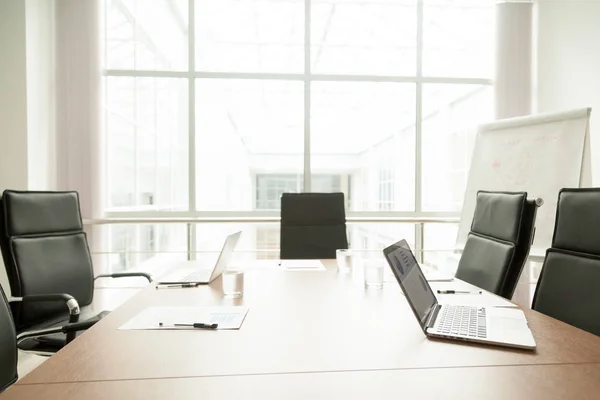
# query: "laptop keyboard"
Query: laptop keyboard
193,277
464,321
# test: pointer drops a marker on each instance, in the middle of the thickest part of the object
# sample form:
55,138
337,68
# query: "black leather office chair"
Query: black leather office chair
8,346
48,264
499,241
9,340
568,288
313,225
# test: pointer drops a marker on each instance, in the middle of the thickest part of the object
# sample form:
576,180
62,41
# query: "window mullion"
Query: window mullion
191,228
307,97
419,110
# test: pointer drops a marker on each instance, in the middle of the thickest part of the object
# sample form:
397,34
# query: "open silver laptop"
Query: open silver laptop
493,325
199,274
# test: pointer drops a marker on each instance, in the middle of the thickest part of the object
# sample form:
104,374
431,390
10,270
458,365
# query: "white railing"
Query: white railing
191,250
258,220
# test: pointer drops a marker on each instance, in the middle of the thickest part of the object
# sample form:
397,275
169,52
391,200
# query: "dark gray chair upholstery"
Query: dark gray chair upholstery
9,341
8,346
48,263
499,241
313,225
568,288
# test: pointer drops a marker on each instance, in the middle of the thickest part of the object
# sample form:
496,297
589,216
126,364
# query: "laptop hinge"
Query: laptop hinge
432,316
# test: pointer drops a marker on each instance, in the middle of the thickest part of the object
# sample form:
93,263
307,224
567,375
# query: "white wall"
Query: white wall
568,62
13,101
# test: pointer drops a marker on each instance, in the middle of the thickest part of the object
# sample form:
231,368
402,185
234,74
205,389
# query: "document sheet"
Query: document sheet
230,317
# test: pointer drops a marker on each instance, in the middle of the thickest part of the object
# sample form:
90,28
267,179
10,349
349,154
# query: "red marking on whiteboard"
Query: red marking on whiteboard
496,164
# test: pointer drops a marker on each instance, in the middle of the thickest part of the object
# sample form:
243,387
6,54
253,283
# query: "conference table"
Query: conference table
310,333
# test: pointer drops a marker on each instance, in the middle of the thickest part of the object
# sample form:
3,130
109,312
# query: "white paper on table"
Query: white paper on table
254,264
302,265
230,317
484,299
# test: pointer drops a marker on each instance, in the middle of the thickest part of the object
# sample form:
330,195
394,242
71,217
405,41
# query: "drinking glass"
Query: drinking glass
344,259
373,274
233,283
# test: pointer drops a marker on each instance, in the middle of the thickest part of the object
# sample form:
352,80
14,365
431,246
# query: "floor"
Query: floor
28,362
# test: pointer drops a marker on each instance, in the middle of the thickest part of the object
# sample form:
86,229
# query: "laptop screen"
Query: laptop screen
411,279
225,255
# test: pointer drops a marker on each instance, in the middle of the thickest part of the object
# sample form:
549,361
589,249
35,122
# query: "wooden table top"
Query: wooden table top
527,382
299,322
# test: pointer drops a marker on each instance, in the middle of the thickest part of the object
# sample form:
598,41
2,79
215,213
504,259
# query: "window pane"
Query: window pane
458,38
143,247
440,236
145,36
250,35
368,240
211,236
438,242
451,113
261,241
269,188
247,130
258,242
364,135
147,143
353,37
372,238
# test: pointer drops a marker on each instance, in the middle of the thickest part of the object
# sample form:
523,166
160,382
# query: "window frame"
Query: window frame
307,77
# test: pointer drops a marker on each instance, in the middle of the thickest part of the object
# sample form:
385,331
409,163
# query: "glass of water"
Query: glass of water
233,283
344,259
373,274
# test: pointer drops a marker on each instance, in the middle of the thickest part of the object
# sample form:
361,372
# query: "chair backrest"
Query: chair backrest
499,241
8,345
313,225
45,251
524,242
568,288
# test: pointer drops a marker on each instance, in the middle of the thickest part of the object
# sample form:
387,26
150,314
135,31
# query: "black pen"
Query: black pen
176,285
197,325
458,292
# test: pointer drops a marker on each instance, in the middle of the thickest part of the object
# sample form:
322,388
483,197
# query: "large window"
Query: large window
216,107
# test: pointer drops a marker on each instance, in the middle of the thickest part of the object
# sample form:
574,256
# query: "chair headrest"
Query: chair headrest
307,208
30,213
498,214
577,225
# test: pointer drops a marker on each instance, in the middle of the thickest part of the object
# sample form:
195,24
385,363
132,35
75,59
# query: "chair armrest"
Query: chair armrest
79,326
69,300
68,329
126,275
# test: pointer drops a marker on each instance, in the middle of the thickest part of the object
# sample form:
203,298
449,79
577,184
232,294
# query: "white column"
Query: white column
78,109
41,93
514,71
513,80
78,129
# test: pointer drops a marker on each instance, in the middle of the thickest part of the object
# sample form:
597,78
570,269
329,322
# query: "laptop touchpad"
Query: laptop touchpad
499,324
503,319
